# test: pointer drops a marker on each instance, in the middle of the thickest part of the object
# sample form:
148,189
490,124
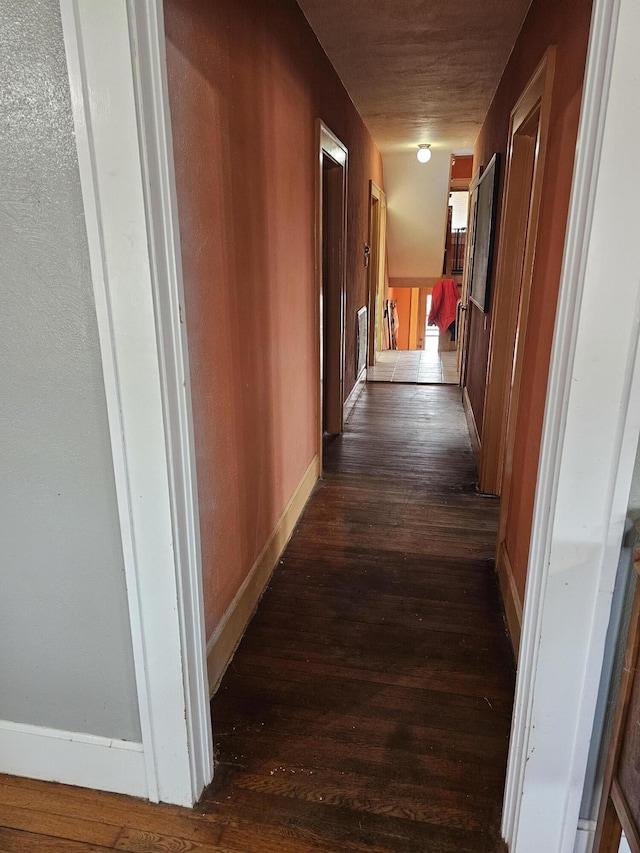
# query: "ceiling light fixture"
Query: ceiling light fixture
424,153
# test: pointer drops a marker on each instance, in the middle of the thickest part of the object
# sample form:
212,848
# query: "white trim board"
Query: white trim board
72,758
590,436
115,59
585,836
224,640
156,148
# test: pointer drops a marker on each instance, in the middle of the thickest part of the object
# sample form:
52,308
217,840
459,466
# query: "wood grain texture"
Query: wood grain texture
367,708
369,702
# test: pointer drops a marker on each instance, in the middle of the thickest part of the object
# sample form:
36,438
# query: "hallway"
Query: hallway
368,705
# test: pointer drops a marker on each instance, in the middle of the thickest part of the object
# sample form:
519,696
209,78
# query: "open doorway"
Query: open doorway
379,330
427,218
331,236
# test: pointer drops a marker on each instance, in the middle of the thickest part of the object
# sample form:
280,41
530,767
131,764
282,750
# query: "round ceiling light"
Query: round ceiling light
424,153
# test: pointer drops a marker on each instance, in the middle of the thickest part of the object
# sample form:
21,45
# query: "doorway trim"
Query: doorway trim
528,135
518,232
329,145
463,332
117,72
377,243
589,442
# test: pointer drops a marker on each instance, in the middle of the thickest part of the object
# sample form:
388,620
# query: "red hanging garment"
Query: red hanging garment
444,304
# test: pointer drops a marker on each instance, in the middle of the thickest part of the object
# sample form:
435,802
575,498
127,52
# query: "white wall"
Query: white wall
66,657
624,845
417,199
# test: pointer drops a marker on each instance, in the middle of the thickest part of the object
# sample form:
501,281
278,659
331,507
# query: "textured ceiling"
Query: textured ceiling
419,70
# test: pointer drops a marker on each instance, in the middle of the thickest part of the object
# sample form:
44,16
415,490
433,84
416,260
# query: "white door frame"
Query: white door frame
590,435
117,71
115,52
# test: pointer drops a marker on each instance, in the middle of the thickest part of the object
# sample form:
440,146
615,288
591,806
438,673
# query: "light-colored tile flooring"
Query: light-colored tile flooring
423,367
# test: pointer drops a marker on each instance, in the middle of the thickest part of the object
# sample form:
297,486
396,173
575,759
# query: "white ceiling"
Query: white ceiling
417,196
419,70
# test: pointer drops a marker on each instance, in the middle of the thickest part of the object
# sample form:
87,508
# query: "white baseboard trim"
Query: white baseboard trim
73,758
354,394
585,836
224,640
510,598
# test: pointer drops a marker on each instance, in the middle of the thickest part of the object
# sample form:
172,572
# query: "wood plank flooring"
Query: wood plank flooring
368,705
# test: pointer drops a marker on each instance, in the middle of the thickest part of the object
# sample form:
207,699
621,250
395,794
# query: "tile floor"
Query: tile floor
422,367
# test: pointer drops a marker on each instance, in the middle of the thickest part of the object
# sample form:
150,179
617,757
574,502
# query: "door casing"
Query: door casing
528,134
332,163
377,266
526,155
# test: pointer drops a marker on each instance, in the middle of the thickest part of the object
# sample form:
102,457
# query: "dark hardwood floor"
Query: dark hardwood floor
368,706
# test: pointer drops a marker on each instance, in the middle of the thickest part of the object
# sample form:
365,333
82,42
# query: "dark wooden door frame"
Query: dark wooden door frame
332,155
377,227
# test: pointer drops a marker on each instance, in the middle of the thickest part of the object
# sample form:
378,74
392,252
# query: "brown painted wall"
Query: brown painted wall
564,23
247,80
462,167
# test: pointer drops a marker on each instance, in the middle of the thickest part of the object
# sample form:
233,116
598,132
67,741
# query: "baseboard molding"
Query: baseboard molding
471,424
352,399
224,640
510,598
585,836
73,758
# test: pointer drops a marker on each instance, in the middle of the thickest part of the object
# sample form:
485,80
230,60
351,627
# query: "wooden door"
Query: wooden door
526,156
510,312
332,295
